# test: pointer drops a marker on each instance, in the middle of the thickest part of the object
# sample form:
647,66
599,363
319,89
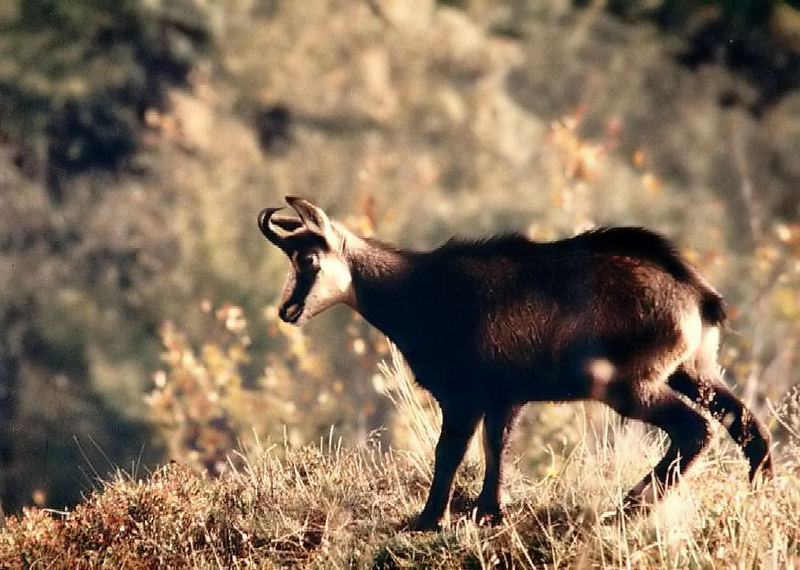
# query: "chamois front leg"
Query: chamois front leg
497,425
458,425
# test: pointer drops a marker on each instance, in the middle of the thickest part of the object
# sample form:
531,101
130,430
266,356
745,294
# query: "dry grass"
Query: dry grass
325,506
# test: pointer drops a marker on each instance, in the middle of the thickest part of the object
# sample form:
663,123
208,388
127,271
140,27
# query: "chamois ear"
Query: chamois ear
313,217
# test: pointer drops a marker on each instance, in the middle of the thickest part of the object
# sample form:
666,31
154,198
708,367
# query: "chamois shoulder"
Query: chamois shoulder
508,244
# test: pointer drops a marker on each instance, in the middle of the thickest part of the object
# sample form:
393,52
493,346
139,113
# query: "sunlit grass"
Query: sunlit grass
330,506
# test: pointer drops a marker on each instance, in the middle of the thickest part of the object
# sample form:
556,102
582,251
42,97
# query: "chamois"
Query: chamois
613,314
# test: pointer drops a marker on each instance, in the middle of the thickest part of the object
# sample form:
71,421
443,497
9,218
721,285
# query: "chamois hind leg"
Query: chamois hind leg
497,425
688,430
710,392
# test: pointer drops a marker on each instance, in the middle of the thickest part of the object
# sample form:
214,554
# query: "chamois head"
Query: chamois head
319,276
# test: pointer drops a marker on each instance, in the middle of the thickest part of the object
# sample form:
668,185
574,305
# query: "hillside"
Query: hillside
334,507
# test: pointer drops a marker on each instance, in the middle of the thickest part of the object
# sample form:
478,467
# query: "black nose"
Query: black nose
290,313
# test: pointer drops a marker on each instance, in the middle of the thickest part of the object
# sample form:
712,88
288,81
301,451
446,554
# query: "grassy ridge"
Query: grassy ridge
326,506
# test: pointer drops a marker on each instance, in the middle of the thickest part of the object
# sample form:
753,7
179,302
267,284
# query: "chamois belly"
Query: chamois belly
575,360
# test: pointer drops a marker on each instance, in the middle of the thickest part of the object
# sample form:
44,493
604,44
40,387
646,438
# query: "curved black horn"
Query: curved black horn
273,233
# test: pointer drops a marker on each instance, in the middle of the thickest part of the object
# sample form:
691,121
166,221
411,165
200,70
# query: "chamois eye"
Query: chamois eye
307,262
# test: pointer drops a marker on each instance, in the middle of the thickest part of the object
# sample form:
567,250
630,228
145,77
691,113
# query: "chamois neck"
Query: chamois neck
375,261
379,272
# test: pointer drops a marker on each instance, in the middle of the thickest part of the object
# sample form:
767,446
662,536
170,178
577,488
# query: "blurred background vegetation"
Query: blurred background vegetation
139,139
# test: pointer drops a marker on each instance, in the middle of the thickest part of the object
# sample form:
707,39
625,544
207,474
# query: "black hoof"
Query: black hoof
425,523
488,516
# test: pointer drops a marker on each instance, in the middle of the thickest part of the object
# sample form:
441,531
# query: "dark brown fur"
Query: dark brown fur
613,314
